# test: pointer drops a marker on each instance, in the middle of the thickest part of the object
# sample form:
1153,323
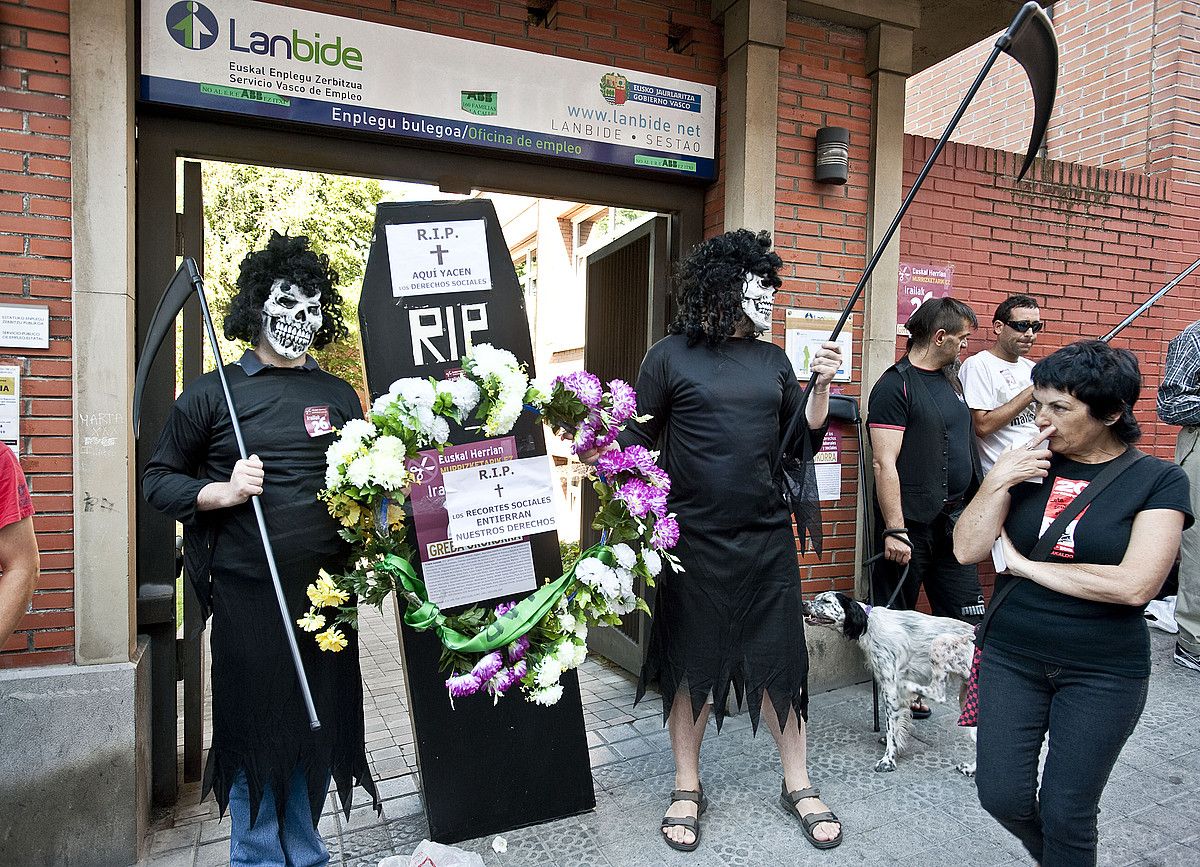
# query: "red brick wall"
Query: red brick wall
35,267
1128,96
820,229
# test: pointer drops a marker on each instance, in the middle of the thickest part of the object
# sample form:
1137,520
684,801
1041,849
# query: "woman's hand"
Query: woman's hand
1030,461
590,456
825,364
1014,561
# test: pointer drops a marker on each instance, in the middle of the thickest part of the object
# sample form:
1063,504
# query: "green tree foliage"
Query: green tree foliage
244,203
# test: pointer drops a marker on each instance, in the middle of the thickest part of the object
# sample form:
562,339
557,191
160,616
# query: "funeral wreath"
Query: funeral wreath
530,642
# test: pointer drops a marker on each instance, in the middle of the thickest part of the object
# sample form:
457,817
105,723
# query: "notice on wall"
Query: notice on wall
500,502
920,281
436,258
805,331
10,407
267,60
25,326
460,575
828,467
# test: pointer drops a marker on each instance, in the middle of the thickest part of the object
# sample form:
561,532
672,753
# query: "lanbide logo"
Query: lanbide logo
192,24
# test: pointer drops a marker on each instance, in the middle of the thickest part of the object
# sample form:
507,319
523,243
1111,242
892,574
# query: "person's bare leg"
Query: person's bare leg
686,737
793,753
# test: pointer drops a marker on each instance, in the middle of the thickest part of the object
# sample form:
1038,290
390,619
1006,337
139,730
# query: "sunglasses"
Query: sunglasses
1024,325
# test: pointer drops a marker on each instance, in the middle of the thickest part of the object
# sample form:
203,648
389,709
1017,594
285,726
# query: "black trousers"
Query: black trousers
1088,716
952,588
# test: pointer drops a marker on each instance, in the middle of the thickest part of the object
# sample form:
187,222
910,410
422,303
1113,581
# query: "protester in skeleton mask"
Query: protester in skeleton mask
265,765
719,402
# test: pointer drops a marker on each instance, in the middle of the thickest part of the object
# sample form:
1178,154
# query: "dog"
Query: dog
909,654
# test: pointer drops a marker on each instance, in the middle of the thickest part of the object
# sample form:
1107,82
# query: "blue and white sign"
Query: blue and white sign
272,61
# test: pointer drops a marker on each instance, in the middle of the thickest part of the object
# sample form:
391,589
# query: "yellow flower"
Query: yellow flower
331,639
325,593
312,621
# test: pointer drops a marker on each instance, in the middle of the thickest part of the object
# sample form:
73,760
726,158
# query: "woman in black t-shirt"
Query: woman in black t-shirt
1067,654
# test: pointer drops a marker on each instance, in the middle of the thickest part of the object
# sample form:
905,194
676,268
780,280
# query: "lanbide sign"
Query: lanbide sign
270,61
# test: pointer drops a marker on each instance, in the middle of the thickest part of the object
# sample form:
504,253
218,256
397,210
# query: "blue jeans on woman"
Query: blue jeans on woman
267,844
1088,714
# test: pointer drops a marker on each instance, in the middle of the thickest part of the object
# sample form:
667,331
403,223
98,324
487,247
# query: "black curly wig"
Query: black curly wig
287,258
709,284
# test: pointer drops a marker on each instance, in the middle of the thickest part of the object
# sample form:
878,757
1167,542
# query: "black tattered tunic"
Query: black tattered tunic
734,616
260,725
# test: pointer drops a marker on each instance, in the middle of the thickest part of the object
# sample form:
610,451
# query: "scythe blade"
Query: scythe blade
1030,41
173,298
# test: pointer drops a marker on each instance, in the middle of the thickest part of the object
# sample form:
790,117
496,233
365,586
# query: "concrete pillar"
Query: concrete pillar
755,31
889,63
102,188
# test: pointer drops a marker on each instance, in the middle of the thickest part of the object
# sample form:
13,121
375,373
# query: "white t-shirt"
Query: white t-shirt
989,382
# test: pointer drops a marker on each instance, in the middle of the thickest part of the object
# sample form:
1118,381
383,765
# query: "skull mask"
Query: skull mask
291,319
758,298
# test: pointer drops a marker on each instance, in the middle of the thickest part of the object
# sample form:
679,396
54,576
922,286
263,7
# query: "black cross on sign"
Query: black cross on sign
438,251
499,490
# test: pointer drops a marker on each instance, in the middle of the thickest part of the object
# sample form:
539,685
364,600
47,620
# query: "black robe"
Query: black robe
260,725
733,616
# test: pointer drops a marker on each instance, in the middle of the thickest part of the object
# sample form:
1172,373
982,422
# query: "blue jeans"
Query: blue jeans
296,844
1088,714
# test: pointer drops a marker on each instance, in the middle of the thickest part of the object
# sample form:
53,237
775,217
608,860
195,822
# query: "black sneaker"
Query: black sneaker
1186,658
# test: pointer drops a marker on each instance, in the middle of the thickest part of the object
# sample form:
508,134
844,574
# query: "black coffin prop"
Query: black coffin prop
484,769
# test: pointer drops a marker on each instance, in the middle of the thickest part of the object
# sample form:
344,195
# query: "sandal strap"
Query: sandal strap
687,795
800,794
688,822
813,819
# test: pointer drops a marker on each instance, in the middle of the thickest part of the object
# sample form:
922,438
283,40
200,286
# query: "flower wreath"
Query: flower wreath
531,642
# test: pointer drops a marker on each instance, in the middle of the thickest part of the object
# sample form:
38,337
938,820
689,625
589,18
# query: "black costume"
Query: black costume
734,615
259,721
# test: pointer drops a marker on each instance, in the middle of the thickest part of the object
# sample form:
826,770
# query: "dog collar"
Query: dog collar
867,609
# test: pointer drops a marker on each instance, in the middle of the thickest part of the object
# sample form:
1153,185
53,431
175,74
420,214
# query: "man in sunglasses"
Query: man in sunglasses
997,382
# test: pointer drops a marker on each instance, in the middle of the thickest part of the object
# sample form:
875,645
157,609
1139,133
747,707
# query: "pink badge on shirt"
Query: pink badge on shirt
316,421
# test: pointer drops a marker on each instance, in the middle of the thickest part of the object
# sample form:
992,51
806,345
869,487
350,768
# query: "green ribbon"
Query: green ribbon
423,614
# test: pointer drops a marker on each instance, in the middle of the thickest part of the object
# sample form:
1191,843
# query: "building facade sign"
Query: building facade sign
272,61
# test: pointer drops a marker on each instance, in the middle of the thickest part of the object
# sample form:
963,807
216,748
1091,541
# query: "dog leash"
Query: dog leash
897,533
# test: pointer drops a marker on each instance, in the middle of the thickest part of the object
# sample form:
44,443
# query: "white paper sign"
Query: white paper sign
25,326
498,502
10,403
435,258
805,331
483,574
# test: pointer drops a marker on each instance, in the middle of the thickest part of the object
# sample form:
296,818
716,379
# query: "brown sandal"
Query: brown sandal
688,822
808,821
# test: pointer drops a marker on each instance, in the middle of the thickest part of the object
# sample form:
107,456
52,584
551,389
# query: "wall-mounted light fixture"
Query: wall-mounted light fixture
833,155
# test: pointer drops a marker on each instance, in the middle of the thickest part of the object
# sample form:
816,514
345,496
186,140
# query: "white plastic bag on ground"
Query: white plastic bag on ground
430,854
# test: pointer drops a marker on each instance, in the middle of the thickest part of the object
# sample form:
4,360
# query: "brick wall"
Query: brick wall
820,229
1129,83
35,268
1091,244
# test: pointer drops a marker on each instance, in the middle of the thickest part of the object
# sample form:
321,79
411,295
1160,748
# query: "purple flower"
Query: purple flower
624,400
463,685
585,438
638,497
606,438
656,501
585,386
616,461
516,650
666,533
487,667
641,459
505,607
507,678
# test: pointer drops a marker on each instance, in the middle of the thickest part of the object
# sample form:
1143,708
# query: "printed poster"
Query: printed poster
920,281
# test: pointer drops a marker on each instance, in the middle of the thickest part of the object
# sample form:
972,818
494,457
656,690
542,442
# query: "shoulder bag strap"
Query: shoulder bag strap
1046,542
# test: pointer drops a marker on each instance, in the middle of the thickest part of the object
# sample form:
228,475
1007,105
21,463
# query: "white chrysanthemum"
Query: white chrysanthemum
333,477
625,555
581,631
359,471
653,561
414,390
340,450
589,570
382,403
567,623
487,360
564,654
356,430
623,605
440,430
462,391
624,582
548,672
548,696
579,654
424,416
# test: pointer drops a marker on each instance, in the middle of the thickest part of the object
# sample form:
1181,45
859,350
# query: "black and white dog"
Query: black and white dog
909,654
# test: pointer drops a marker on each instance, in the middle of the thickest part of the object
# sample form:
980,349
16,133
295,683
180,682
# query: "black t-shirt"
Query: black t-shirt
1054,627
890,408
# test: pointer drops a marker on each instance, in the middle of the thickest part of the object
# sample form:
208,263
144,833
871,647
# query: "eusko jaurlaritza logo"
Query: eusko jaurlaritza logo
192,24
614,87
